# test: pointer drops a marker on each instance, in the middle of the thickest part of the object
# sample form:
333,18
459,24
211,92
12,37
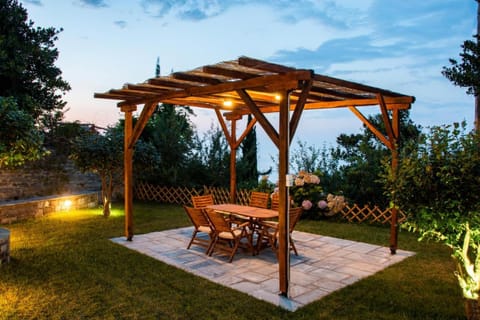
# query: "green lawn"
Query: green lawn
65,267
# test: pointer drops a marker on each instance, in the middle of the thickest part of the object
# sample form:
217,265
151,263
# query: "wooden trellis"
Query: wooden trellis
182,195
355,213
175,195
222,195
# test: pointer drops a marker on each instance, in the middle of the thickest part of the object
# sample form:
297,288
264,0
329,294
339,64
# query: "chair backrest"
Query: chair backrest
275,201
217,221
202,201
197,216
294,215
259,199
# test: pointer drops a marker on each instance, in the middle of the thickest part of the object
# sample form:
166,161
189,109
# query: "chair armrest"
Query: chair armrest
269,224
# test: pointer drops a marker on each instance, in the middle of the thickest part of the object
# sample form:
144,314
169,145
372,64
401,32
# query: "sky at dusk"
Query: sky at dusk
399,45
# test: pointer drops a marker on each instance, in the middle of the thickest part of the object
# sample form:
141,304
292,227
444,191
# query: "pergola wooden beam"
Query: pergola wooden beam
257,113
372,128
299,106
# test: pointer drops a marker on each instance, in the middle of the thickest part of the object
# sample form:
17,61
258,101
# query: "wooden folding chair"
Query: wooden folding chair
202,201
268,231
259,199
201,224
275,199
225,232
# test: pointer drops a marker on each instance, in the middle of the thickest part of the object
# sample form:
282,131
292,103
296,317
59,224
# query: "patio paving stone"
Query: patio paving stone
325,264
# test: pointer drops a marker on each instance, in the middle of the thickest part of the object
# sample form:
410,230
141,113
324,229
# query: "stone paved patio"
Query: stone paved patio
324,264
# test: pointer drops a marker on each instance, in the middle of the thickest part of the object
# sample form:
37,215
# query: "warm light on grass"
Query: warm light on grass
64,266
67,205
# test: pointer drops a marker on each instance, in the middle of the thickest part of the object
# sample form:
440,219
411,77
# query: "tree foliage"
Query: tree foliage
359,160
215,154
438,178
466,73
171,132
27,69
438,184
20,141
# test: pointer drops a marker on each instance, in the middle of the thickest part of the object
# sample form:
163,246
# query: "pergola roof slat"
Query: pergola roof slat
212,85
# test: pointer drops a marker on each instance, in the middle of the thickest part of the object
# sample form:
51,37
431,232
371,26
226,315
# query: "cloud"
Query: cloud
35,2
338,13
185,9
94,3
122,24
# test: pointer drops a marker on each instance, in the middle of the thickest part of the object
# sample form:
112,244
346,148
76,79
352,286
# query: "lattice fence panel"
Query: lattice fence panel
183,195
243,196
222,195
176,195
355,213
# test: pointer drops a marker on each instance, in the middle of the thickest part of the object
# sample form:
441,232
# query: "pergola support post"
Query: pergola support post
128,169
394,219
283,218
233,163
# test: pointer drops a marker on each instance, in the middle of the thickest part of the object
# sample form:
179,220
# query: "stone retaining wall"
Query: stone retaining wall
11,211
31,181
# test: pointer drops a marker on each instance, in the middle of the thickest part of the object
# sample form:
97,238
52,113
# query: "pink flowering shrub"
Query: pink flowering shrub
306,192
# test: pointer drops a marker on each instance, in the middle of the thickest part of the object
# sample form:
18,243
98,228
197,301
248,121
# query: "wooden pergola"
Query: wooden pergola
250,86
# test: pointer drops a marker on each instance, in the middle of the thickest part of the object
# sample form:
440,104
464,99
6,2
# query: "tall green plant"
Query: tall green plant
438,183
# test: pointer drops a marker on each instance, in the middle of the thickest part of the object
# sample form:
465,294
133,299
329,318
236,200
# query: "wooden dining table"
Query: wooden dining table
253,214
246,211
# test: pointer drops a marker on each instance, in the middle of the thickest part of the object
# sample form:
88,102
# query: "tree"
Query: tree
247,166
215,155
27,70
102,154
467,72
20,141
305,158
172,133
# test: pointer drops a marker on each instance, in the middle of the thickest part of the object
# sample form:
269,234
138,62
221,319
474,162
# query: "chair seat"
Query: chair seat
204,229
223,230
229,235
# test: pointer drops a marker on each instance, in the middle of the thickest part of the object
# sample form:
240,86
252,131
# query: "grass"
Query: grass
65,267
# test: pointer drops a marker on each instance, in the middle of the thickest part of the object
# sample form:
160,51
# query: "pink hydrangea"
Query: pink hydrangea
322,204
307,204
